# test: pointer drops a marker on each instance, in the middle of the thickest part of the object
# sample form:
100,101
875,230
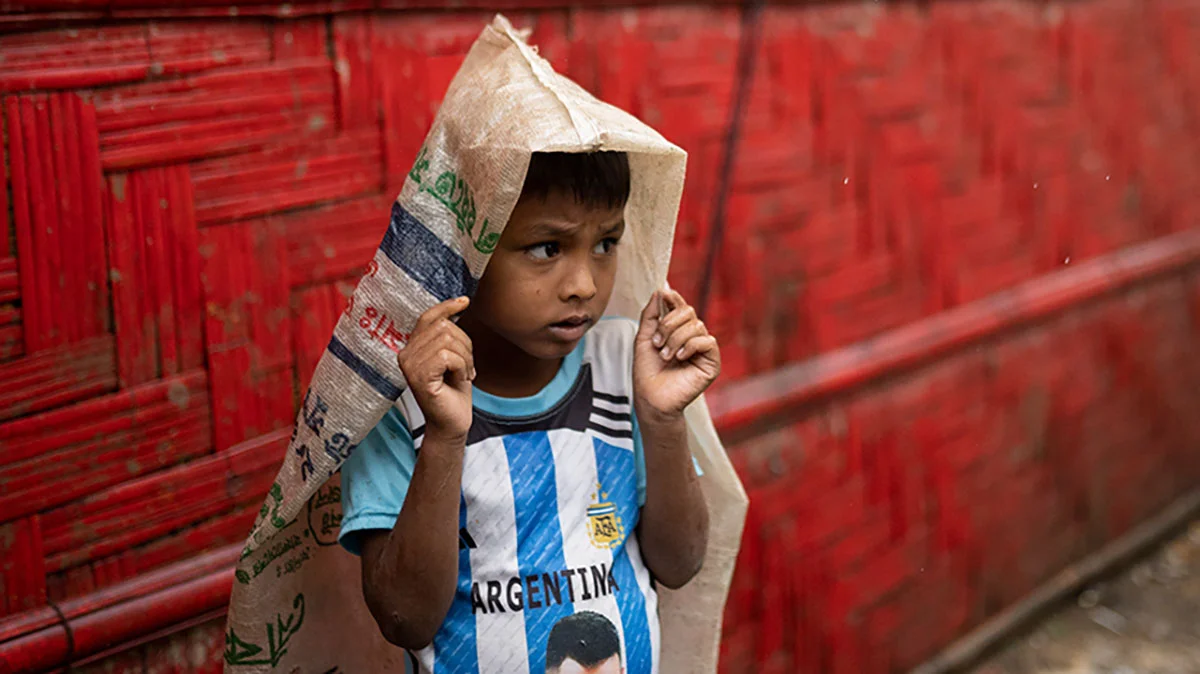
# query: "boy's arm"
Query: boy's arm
675,360
409,572
674,524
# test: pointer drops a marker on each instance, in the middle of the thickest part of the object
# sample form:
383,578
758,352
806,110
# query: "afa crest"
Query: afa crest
604,525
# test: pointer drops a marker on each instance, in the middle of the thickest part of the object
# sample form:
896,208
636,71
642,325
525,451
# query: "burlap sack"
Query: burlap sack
297,601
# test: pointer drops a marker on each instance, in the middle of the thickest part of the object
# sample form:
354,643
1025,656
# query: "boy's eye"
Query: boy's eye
543,251
606,246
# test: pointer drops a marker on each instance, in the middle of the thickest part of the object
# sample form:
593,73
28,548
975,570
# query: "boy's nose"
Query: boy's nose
579,283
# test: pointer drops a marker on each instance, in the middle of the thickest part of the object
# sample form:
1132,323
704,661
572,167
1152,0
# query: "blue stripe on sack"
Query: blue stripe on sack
423,256
539,533
454,648
365,372
618,478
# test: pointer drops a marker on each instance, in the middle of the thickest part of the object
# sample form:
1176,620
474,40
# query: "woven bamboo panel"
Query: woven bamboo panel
191,194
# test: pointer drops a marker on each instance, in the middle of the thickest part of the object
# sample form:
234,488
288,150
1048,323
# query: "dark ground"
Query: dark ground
1144,620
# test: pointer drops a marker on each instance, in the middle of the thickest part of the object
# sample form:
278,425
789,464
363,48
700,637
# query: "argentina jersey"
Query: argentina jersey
552,487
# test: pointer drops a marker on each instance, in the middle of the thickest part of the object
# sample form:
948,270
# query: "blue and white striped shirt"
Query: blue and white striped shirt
551,494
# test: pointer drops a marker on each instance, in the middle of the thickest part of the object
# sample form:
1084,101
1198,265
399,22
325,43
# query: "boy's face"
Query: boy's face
551,275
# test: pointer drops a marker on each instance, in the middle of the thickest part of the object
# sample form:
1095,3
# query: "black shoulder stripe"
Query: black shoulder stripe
609,414
608,397
611,432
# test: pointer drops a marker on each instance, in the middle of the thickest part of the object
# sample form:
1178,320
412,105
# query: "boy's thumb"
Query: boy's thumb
649,319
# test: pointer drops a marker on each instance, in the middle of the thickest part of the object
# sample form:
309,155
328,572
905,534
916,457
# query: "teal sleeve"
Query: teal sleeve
375,480
639,462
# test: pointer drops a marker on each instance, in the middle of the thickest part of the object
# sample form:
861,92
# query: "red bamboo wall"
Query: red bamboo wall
957,288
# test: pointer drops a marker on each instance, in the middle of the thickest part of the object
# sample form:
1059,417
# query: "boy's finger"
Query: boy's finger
673,300
426,343
439,311
427,352
444,331
649,318
461,336
435,334
696,345
420,345
676,319
449,362
676,339
461,346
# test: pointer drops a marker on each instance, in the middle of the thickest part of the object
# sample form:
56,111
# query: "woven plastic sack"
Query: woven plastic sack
297,602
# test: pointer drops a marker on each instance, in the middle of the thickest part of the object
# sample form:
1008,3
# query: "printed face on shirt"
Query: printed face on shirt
584,643
551,275
570,666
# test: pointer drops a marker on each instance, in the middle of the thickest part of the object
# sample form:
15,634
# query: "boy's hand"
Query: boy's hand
674,359
439,366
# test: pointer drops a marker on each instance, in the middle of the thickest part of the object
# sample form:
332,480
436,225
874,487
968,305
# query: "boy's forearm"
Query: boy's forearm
410,572
674,522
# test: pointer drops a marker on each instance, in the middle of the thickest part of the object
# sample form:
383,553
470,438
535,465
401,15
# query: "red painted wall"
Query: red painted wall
958,290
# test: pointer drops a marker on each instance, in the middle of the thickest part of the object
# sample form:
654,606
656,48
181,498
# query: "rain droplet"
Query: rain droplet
1110,619
1089,598
1067,260
846,181
1035,186
1108,177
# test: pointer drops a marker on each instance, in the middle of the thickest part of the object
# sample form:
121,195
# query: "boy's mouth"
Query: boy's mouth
572,328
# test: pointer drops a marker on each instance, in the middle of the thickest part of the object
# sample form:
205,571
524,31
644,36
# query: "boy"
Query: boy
500,494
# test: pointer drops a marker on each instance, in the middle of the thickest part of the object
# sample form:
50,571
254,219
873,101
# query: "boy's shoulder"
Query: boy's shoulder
612,332
608,354
610,341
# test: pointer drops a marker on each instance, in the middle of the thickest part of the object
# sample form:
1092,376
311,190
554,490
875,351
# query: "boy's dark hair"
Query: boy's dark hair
595,179
586,637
